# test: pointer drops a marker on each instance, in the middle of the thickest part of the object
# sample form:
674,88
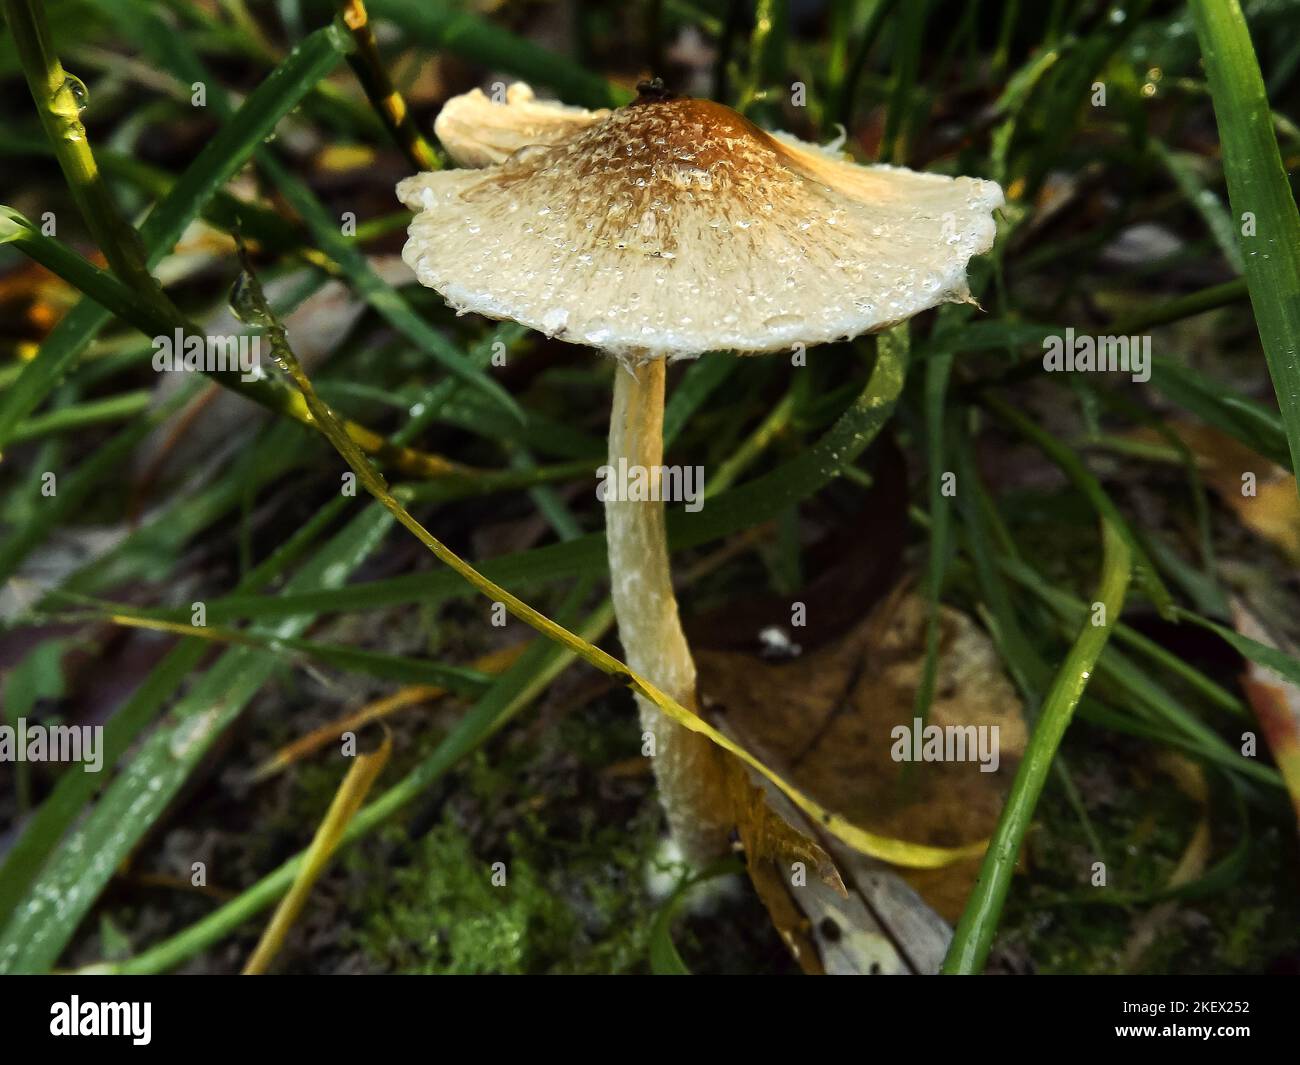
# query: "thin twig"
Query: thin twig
369,69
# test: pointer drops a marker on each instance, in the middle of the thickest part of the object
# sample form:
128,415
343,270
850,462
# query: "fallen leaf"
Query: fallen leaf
1275,700
774,853
825,720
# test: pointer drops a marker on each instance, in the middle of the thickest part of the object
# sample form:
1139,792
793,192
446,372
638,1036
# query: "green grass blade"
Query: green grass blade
59,98
979,921
1258,187
450,28
1073,467
1215,404
665,960
119,408
1262,654
1182,169
42,832
228,150
738,508
516,689
937,371
701,379
74,488
376,291
68,886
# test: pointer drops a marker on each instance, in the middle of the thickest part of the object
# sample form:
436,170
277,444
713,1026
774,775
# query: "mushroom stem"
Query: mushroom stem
685,762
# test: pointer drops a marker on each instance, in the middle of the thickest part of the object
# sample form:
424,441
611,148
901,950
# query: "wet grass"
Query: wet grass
1148,152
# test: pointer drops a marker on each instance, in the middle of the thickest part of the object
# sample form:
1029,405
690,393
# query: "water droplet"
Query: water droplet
77,87
246,302
783,321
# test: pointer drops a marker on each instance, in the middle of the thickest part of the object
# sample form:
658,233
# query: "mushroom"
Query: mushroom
662,230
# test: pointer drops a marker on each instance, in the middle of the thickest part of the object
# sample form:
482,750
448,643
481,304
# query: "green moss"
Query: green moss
541,910
574,849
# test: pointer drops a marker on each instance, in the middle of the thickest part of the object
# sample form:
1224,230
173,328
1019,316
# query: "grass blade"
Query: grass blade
1257,187
518,687
450,28
60,99
347,801
269,392
897,851
42,832
376,291
67,887
212,168
386,100
979,921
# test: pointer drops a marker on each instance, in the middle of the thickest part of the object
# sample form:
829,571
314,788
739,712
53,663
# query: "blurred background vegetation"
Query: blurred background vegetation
1132,139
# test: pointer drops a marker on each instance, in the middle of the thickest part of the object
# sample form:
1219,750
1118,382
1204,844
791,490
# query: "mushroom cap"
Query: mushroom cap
675,226
476,131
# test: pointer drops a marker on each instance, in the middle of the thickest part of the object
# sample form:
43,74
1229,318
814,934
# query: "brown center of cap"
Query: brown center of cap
676,138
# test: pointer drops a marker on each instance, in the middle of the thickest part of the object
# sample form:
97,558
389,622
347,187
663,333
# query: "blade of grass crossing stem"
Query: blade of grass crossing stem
897,851
347,801
979,920
228,150
1260,194
738,508
78,871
